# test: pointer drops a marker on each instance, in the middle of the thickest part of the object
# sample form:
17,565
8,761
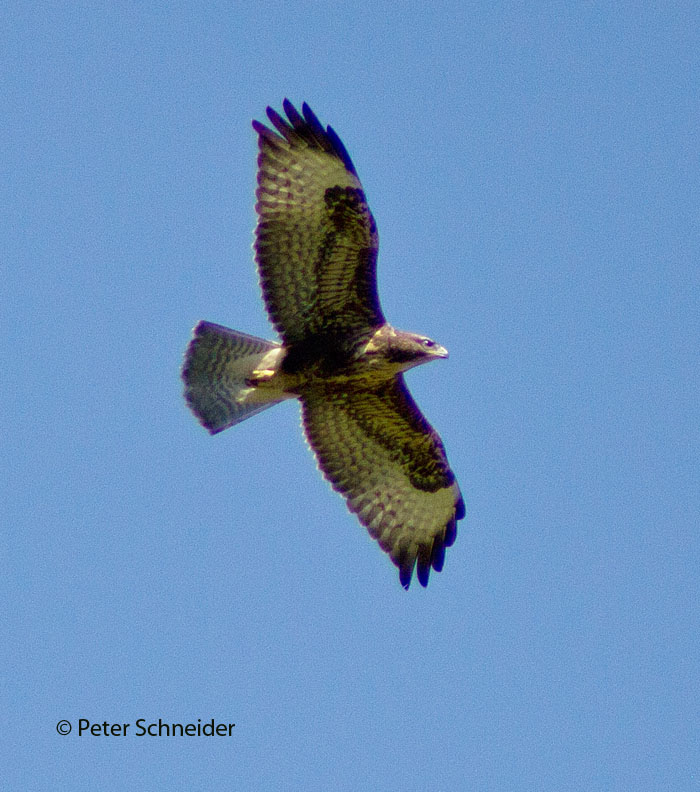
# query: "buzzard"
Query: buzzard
316,250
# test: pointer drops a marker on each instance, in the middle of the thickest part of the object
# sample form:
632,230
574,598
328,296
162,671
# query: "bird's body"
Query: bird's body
316,247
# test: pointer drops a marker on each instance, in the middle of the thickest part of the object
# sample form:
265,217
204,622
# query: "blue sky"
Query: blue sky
533,169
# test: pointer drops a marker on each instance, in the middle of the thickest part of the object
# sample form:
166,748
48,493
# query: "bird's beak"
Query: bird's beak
440,351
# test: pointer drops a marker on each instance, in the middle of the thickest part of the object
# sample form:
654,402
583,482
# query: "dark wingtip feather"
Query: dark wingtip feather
423,571
340,150
294,116
266,134
309,115
437,557
306,126
405,560
424,560
289,108
279,123
428,558
450,532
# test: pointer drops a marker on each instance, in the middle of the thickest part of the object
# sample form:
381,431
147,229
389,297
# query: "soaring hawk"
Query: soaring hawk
316,250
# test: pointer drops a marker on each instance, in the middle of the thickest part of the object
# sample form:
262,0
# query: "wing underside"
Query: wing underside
316,240
381,454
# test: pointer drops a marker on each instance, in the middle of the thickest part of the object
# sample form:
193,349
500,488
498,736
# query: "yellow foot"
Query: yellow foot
259,376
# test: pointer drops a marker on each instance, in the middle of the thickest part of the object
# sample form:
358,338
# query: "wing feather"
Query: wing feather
381,454
316,240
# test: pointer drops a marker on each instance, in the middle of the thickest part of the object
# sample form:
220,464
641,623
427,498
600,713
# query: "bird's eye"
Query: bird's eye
428,343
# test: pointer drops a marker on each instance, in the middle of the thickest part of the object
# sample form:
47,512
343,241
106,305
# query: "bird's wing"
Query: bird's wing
316,240
378,451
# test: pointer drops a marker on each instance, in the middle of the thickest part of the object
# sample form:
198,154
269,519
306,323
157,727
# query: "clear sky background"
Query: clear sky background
534,171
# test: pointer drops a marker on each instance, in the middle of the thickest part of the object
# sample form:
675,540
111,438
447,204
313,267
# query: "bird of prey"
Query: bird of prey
316,249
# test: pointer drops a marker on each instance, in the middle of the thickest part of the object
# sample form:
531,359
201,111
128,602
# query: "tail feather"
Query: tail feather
217,362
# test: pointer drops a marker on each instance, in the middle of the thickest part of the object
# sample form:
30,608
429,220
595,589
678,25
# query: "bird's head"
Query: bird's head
399,350
411,349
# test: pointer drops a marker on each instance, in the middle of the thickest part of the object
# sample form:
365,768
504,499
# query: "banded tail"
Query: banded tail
217,362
